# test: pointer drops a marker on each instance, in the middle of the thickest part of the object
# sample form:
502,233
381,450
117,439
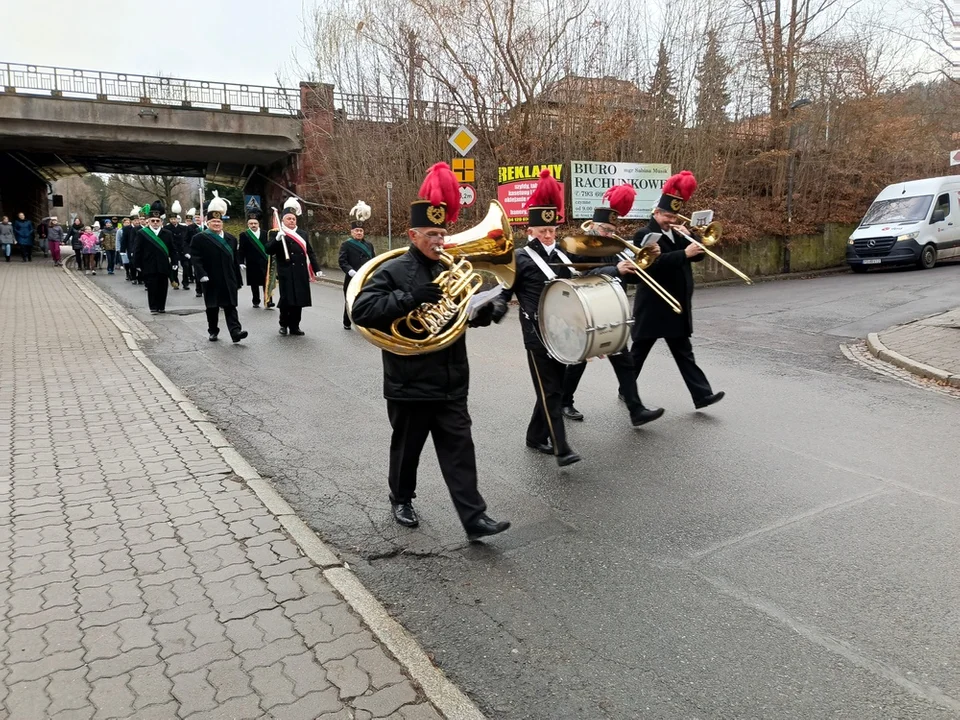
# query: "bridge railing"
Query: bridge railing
126,87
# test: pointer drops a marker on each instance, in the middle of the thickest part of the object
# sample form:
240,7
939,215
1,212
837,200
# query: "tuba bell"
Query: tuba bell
486,247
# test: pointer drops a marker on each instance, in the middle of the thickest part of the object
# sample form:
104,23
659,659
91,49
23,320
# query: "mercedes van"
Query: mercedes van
910,223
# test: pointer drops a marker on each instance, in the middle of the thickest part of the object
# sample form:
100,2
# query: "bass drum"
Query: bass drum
584,317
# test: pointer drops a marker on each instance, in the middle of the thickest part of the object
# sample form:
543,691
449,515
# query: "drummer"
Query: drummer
617,202
545,432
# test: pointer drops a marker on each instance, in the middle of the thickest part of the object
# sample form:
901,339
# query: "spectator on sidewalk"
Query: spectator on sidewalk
73,237
24,232
108,241
7,238
88,243
55,236
42,236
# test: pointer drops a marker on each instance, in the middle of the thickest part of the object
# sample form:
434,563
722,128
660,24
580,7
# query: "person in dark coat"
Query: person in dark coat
296,268
253,254
193,225
73,237
620,201
179,233
155,257
653,318
354,252
125,241
24,231
546,431
427,393
216,263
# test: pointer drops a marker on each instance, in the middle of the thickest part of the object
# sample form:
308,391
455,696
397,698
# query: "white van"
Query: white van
915,222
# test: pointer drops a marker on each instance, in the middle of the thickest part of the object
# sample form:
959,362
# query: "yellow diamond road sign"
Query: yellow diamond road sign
462,140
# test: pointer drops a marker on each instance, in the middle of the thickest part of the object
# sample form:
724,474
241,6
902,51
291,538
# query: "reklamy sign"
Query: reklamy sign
515,185
590,179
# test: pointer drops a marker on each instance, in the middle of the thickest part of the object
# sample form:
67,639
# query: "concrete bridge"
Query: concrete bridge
56,122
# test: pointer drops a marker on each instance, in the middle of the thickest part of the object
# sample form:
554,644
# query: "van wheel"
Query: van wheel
859,268
928,257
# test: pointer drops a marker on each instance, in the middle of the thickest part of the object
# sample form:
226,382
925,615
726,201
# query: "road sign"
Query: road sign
251,203
468,196
955,157
462,140
464,169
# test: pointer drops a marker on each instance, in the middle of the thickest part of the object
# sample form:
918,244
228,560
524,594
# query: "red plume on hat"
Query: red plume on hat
441,186
548,193
681,185
620,198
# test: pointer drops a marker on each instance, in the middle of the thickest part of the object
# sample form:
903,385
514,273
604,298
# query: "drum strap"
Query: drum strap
542,264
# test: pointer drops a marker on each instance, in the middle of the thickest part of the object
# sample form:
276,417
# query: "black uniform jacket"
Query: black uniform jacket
149,259
653,318
442,375
528,287
292,275
179,233
353,254
254,258
212,260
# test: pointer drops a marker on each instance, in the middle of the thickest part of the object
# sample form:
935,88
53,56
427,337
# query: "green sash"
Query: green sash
360,246
256,241
148,231
221,242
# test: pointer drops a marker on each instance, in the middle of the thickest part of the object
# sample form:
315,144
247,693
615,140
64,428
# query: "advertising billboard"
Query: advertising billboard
515,184
590,179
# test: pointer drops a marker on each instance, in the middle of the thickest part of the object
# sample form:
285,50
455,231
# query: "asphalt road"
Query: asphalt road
790,553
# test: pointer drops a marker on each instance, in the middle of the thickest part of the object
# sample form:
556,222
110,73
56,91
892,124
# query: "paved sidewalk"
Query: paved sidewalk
140,576
929,347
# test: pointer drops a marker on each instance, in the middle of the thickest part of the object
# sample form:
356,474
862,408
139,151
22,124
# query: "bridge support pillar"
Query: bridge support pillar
21,191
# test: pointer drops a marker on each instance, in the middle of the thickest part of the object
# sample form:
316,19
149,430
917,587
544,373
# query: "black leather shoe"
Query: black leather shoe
568,458
199,294
256,304
484,526
271,304
346,327
297,331
283,331
571,413
709,400
404,514
546,448
645,415
213,337
239,336
185,287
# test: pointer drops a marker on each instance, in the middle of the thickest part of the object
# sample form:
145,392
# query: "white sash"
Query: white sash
542,264
303,246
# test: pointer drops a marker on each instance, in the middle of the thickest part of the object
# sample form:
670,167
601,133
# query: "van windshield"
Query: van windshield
898,210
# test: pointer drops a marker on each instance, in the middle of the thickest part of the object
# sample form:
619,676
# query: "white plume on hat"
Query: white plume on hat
96,224
191,212
361,211
218,204
293,204
175,208
135,210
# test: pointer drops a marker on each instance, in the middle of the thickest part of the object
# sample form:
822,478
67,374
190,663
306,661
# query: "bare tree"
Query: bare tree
144,189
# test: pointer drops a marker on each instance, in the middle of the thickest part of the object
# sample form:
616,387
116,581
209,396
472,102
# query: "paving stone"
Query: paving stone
349,679
234,709
310,707
383,702
68,690
422,711
150,686
229,680
122,663
112,698
273,687
343,646
193,692
383,671
28,699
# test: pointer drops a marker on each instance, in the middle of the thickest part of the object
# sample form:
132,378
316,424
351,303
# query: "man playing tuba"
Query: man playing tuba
426,393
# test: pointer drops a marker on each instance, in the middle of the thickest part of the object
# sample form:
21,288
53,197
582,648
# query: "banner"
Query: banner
515,185
591,179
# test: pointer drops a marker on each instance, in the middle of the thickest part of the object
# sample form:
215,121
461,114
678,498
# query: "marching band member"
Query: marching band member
253,254
296,268
179,233
653,319
155,257
545,431
354,252
427,393
194,225
619,201
217,268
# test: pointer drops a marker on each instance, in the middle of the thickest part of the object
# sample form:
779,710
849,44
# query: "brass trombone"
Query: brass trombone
606,245
710,235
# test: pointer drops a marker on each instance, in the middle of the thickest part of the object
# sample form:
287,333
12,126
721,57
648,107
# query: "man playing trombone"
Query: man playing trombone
654,319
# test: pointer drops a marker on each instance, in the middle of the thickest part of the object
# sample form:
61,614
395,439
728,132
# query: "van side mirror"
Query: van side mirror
938,216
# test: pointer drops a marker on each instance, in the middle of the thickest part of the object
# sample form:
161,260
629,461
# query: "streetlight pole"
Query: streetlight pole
389,216
790,168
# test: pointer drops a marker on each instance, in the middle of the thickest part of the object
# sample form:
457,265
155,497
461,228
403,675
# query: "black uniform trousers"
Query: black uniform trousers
449,423
546,423
187,273
622,364
346,315
156,290
229,314
682,351
255,294
290,315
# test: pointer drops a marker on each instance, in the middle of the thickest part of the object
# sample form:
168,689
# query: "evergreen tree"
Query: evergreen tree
712,96
663,96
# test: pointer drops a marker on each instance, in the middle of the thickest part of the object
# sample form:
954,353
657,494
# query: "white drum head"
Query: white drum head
563,320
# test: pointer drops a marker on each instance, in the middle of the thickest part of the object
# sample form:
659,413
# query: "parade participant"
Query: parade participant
127,241
179,233
253,254
426,394
296,268
108,241
654,320
354,252
546,431
217,266
619,201
193,225
155,257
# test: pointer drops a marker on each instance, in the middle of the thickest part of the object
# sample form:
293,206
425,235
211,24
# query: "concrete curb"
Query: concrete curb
882,352
446,697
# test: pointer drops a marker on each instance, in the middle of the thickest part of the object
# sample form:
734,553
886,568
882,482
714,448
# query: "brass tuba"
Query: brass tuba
486,247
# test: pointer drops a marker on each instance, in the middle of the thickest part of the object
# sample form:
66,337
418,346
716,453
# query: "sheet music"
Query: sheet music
701,218
480,299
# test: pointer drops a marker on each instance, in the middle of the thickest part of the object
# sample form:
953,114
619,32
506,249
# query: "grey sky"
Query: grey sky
245,41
